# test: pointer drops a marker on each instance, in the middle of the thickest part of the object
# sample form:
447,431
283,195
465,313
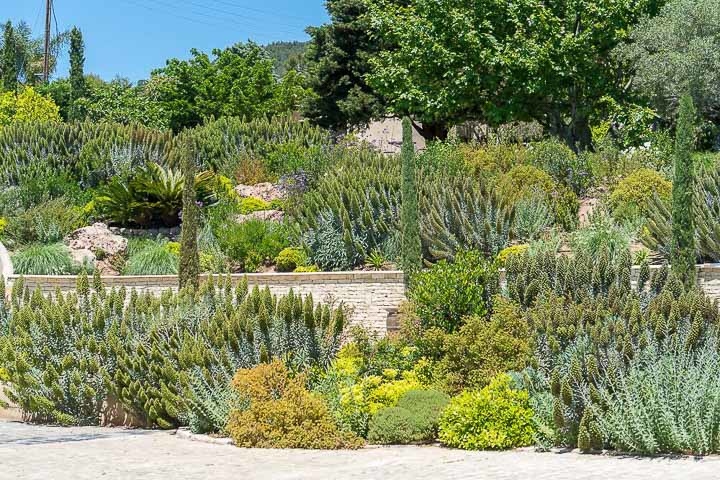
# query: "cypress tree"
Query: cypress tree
411,244
8,68
683,222
78,87
189,268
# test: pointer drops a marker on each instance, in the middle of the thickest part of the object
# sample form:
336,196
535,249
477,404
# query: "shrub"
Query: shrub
151,196
56,356
492,160
37,259
458,214
527,182
602,234
393,425
307,269
425,406
563,165
448,292
507,253
496,417
167,359
252,243
634,194
665,403
152,258
289,259
533,216
282,413
480,349
48,222
252,204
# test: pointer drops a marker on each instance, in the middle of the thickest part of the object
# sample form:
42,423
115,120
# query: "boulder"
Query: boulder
98,239
265,191
268,215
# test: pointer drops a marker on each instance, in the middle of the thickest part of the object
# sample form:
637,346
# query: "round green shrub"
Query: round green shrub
524,181
448,292
634,194
289,259
527,182
562,164
426,406
494,418
395,426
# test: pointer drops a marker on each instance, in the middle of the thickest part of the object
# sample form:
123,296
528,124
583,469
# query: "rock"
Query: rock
82,256
99,242
268,215
265,191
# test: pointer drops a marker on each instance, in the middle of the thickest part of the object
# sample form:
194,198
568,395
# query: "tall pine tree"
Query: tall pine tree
683,222
189,257
8,67
78,87
410,221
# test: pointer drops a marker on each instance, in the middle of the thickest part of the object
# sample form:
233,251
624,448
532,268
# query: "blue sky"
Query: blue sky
129,38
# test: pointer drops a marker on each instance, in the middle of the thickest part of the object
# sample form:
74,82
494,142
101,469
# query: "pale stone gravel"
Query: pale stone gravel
33,452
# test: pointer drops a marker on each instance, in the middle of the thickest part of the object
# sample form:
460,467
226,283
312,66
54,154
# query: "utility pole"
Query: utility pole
46,60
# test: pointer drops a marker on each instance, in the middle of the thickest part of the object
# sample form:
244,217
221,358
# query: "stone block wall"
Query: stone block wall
373,297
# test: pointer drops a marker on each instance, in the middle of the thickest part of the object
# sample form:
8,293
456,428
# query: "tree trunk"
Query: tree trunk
576,134
432,131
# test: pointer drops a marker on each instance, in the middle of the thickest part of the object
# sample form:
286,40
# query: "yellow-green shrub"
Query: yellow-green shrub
496,417
252,204
634,194
506,253
481,349
283,413
491,161
289,259
524,181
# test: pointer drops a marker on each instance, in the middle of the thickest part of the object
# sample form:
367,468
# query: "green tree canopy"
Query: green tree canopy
119,101
237,81
676,52
499,61
338,60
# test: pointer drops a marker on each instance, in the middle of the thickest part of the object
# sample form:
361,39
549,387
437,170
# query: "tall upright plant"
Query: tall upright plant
411,242
8,68
683,222
78,86
189,268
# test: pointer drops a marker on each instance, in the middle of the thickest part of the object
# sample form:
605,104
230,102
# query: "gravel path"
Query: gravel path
34,452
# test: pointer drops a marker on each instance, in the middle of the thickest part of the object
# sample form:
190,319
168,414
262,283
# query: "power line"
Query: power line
245,17
206,19
257,10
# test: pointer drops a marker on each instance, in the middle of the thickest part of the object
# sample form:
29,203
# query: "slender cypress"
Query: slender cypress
683,222
78,87
189,269
8,68
411,260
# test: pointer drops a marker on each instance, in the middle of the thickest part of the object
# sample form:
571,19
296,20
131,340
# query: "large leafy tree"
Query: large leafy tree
237,81
678,51
337,63
495,60
119,101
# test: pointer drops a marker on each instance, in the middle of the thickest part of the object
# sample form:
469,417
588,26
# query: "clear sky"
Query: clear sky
129,38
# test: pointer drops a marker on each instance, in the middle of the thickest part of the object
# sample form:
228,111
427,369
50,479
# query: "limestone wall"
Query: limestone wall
373,297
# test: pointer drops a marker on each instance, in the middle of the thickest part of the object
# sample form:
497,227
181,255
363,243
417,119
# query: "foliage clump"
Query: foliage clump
494,418
282,413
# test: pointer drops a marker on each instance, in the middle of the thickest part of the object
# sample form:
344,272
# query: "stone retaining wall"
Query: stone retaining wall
373,297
